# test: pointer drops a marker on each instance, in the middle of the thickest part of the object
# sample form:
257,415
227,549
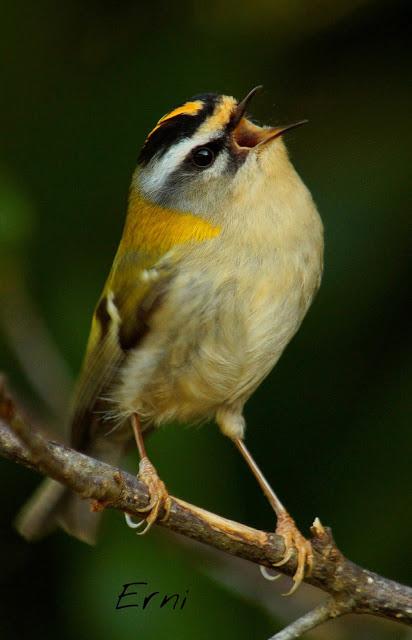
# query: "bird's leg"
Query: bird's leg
286,526
159,496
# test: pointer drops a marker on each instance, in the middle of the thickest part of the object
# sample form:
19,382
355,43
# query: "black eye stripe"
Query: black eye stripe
175,129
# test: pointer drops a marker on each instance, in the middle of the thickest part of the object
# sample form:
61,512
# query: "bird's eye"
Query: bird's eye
203,157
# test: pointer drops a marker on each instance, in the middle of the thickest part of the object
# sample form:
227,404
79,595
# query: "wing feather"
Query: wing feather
119,323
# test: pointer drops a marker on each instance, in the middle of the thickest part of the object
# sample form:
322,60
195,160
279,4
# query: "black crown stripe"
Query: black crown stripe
175,129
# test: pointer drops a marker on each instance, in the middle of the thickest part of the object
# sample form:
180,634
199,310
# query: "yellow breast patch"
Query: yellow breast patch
152,228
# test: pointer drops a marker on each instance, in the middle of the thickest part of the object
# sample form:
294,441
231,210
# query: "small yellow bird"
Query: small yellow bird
220,258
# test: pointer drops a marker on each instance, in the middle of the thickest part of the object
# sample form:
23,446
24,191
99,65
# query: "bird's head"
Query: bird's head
205,151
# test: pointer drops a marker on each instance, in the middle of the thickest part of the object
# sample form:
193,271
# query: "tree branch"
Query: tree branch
322,613
352,588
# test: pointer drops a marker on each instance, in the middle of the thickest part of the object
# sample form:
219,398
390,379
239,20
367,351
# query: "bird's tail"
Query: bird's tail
54,505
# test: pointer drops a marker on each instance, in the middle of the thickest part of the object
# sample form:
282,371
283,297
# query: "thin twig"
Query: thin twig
322,613
355,589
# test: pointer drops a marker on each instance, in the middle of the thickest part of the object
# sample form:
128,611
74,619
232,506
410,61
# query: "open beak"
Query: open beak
247,135
242,106
275,132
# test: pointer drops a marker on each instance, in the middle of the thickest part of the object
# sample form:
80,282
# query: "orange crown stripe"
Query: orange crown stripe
189,109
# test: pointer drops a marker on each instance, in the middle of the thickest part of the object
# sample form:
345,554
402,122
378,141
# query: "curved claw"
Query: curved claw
294,541
297,579
158,498
148,507
300,571
146,529
269,576
304,565
152,517
131,523
285,559
292,590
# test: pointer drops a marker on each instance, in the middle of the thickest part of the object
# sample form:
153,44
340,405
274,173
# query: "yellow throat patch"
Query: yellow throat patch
152,228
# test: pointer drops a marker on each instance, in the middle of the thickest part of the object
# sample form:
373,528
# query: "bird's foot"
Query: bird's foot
159,497
294,541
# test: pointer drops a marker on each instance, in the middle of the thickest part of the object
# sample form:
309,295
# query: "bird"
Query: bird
220,258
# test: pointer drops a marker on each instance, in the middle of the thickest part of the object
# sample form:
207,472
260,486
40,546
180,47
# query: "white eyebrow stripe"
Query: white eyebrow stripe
155,175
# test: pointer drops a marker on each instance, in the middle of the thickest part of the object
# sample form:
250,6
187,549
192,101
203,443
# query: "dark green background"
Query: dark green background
81,84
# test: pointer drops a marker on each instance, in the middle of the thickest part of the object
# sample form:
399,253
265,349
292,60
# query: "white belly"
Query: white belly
218,336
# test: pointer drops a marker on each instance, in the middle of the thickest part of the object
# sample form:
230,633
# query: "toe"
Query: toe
159,497
295,541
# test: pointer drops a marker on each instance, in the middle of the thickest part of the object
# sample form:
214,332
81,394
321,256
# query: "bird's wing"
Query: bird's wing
147,259
135,287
